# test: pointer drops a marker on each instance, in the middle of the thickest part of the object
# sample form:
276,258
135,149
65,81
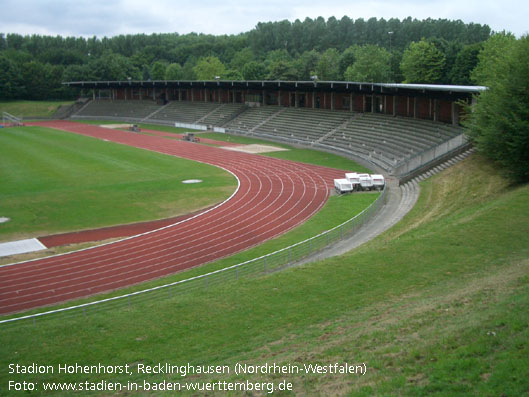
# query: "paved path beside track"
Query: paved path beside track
400,200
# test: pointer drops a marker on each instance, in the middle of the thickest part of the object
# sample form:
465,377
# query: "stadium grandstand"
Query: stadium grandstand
398,128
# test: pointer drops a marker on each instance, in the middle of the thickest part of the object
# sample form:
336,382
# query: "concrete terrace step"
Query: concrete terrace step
441,167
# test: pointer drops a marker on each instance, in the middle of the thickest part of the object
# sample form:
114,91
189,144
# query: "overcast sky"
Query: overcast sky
110,18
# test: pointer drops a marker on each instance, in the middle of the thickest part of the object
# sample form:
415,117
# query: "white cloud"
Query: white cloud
108,18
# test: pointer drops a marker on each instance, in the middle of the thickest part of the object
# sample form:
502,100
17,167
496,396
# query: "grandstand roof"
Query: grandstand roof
339,86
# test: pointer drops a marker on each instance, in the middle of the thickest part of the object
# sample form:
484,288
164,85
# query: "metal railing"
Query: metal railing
401,168
8,118
259,266
429,155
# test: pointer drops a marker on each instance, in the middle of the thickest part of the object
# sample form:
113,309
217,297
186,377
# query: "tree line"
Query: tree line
498,123
374,50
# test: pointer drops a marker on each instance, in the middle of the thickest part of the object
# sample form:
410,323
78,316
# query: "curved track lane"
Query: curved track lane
273,197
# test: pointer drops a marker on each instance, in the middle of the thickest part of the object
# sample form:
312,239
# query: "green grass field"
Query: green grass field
436,305
35,109
52,181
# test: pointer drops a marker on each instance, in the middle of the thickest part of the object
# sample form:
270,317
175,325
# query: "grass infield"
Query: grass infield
53,181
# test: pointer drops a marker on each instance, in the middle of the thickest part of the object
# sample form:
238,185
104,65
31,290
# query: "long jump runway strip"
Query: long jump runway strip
273,197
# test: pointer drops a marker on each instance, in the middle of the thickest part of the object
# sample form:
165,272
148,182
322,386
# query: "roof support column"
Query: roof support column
332,100
351,98
264,97
430,112
153,93
435,110
415,107
455,114
394,105
279,98
296,99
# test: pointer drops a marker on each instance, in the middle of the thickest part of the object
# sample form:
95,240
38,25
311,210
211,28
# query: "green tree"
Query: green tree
422,62
328,67
241,58
232,74
489,58
373,64
110,66
77,73
35,76
10,79
499,121
279,65
208,68
450,50
306,64
281,70
288,50
347,58
173,72
277,55
158,70
188,70
465,62
55,89
3,42
396,73
254,71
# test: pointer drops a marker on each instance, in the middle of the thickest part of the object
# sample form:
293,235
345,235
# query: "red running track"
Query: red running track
273,197
111,232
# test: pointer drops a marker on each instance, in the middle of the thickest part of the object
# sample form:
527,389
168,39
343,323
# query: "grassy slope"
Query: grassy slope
438,304
32,108
52,181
